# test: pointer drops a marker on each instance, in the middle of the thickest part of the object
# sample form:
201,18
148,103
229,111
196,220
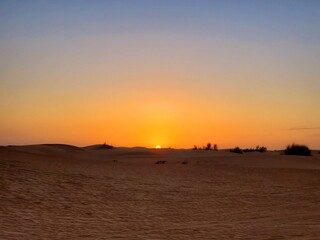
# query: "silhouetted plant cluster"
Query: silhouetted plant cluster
215,147
236,150
296,149
207,147
257,149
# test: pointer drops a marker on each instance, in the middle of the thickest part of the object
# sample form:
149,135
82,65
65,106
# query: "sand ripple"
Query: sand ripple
124,200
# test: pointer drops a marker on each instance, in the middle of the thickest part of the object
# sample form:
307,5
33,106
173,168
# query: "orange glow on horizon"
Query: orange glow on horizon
133,84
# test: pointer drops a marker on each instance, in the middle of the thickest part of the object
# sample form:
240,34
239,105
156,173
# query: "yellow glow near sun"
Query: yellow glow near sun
158,147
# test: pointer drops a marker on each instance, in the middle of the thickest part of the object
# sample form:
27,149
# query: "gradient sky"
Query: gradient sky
173,73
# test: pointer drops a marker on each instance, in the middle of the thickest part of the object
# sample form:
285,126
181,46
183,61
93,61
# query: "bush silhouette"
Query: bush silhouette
262,149
208,147
257,149
236,150
215,147
296,149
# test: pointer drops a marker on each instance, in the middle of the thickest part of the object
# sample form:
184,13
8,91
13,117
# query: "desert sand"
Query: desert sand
65,192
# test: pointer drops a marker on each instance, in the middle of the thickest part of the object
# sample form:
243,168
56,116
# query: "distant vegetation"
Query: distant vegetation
256,149
236,150
296,149
207,147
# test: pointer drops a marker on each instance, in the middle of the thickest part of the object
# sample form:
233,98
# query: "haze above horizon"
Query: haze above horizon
168,73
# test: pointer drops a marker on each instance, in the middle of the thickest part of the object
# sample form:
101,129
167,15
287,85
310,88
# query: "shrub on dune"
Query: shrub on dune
215,147
296,149
257,149
208,147
262,149
236,150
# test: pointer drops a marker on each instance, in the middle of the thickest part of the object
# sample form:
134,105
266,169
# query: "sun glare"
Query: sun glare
158,147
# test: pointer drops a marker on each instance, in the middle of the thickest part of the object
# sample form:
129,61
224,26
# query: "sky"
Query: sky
157,72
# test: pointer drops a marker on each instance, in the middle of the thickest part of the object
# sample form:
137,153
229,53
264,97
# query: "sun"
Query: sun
158,147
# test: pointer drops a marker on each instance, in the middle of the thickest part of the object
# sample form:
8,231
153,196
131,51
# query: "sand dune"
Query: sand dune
64,192
98,147
44,148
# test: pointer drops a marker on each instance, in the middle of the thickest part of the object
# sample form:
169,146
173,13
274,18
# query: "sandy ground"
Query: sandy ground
63,192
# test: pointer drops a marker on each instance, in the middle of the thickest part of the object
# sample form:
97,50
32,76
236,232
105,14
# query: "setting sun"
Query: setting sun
115,53
90,89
